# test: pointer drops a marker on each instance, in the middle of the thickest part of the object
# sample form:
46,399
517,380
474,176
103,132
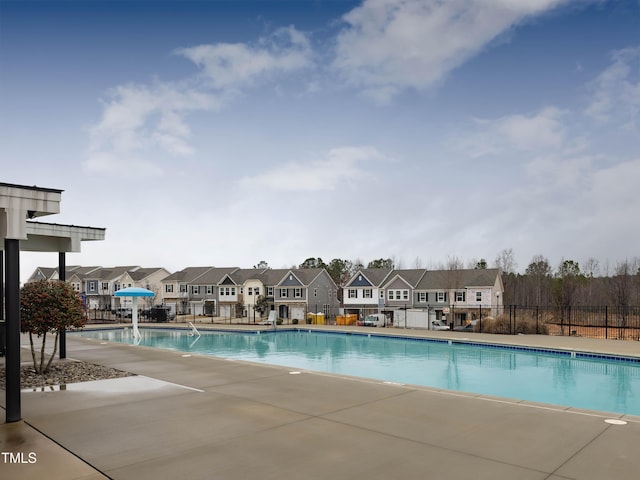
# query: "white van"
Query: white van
375,320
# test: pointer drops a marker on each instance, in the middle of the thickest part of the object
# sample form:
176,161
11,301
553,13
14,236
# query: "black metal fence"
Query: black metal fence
610,322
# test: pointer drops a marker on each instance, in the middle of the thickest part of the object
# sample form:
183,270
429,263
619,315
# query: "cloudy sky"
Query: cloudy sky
228,132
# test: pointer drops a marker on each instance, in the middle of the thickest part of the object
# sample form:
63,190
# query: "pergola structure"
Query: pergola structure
19,204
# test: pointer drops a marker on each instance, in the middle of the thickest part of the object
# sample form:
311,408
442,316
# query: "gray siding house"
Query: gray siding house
305,290
455,296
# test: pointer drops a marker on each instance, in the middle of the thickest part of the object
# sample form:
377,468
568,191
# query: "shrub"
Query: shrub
47,307
498,325
525,326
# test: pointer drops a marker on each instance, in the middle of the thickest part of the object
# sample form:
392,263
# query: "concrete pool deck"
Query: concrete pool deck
205,417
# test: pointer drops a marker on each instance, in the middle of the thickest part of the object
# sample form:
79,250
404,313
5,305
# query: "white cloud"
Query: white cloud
525,133
341,166
389,45
138,119
560,172
228,65
616,91
143,121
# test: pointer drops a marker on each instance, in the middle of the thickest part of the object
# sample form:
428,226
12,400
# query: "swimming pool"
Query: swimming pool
587,381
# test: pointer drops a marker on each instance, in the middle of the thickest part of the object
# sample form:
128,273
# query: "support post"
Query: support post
2,323
12,293
62,275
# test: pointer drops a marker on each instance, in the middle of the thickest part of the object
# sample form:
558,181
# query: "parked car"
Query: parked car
124,312
161,314
375,320
469,327
438,325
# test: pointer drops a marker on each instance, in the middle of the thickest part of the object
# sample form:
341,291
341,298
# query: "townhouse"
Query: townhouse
98,284
305,290
176,292
455,296
458,296
206,290
149,278
233,292
364,294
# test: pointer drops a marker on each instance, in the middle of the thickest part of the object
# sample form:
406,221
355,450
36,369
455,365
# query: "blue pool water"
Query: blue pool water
582,381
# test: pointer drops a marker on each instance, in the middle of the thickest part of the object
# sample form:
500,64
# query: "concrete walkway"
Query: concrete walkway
203,417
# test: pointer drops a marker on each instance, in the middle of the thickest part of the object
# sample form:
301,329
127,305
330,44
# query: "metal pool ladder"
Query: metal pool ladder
194,331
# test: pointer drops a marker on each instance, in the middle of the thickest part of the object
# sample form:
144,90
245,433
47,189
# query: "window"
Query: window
233,291
183,288
241,290
382,294
283,293
460,296
441,297
270,291
367,292
105,286
422,297
399,294
478,296
249,290
353,293
297,292
168,288
116,287
209,289
315,292
256,290
195,290
92,287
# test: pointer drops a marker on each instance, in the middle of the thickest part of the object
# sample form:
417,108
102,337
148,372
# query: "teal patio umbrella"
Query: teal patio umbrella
134,293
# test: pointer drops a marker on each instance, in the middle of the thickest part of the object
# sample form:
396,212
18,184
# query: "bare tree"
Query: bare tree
591,269
539,272
620,289
454,266
454,263
505,261
567,279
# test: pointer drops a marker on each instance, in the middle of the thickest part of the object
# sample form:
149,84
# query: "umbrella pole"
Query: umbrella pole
134,318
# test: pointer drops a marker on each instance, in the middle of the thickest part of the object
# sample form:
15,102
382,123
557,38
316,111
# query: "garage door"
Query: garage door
225,311
297,313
